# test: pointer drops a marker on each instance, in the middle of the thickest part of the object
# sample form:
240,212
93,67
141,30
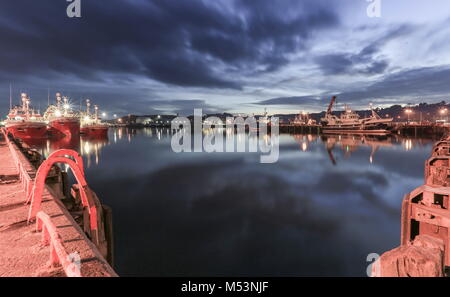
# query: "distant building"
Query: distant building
146,120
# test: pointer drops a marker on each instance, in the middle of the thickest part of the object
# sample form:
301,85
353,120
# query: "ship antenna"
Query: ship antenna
48,96
88,104
10,96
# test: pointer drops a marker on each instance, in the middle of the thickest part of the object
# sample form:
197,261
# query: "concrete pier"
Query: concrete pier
293,129
22,250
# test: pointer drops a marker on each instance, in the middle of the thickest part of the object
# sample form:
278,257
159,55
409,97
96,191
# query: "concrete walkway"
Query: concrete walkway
21,250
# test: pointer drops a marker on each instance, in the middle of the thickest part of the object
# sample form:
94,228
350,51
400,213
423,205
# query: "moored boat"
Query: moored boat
24,122
62,119
264,120
91,124
302,119
350,122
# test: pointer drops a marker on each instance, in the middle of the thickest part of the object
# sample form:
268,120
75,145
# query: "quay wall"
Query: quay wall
23,249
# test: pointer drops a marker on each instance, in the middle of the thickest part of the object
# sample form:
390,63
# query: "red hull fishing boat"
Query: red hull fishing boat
23,122
62,120
91,125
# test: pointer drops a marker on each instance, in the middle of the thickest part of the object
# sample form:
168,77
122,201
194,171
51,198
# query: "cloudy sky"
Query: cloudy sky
147,56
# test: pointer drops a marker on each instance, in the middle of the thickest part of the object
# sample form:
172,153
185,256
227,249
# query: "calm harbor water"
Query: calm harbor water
319,211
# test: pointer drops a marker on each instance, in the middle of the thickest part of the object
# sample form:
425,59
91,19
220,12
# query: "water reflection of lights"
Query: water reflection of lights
91,147
87,148
304,146
350,143
408,144
266,139
148,132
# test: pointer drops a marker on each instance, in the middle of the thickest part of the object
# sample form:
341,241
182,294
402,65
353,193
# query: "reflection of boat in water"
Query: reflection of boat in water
304,140
45,146
72,143
350,143
350,122
86,146
24,122
35,142
92,146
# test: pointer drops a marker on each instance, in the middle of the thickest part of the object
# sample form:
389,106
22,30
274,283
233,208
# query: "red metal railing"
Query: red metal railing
58,253
61,156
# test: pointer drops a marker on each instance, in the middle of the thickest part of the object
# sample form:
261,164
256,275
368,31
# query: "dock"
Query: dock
300,129
420,129
51,244
409,129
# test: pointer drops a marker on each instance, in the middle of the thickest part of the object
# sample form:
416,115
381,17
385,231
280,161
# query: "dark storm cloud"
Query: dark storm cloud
417,84
294,100
367,61
185,106
360,63
184,43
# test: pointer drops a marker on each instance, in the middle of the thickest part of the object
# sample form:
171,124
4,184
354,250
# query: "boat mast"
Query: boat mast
58,100
88,104
10,97
96,112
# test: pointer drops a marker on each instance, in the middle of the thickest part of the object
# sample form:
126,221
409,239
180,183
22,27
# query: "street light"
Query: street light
408,112
443,112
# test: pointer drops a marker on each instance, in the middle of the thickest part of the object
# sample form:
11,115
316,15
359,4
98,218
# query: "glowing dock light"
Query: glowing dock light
408,112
